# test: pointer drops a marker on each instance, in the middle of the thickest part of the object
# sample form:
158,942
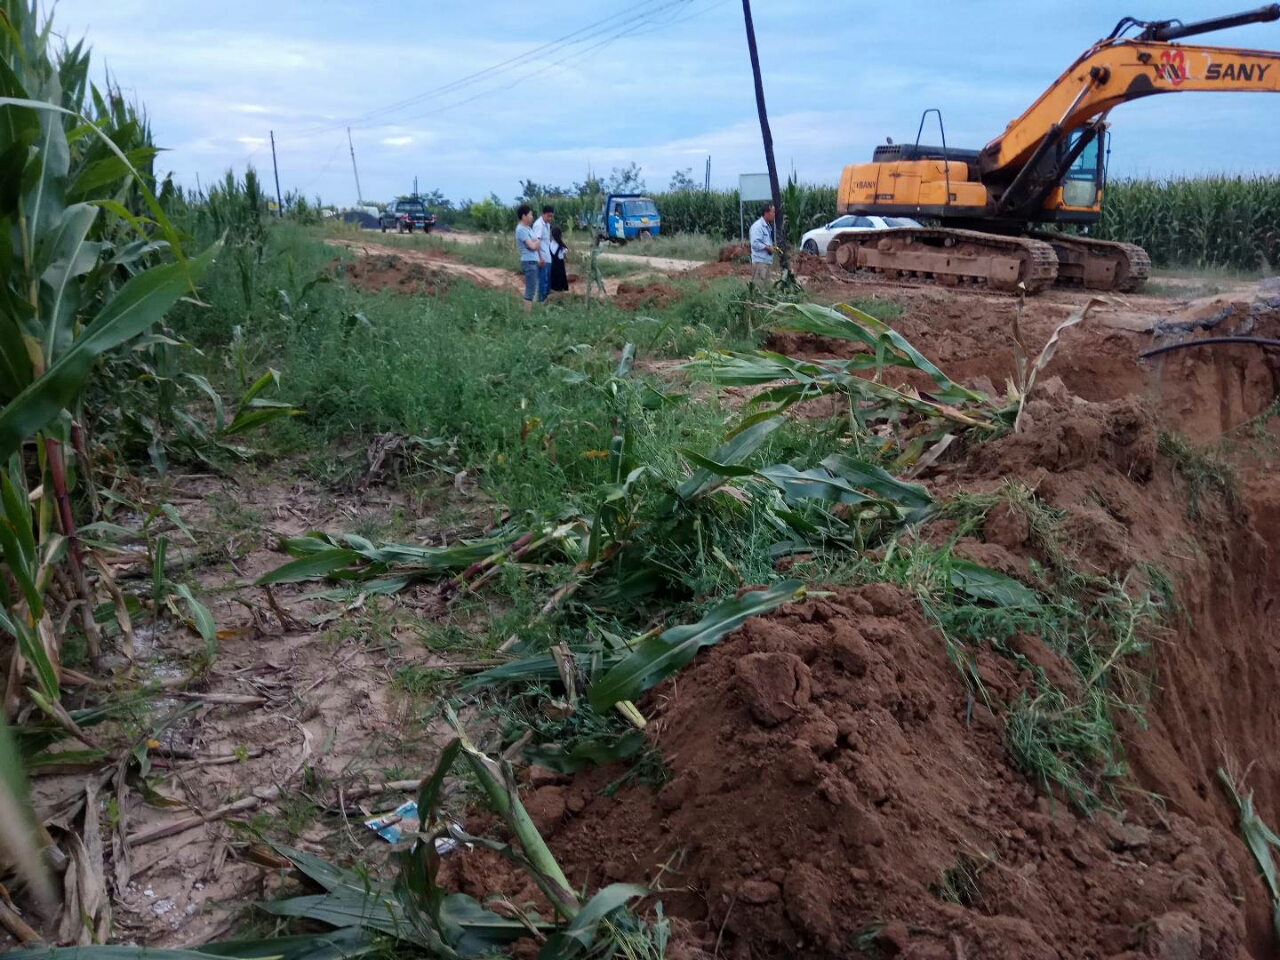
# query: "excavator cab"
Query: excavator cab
1082,186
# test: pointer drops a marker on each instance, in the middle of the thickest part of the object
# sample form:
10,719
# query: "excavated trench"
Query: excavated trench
836,791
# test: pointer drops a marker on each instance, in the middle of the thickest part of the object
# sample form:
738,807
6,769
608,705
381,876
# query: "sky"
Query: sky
579,86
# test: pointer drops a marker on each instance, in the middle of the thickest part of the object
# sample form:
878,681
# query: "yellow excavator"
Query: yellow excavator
1047,167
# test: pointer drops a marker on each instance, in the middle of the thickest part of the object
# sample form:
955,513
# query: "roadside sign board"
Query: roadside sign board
754,186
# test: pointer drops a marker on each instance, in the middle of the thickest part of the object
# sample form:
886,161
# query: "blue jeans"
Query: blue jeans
531,278
544,281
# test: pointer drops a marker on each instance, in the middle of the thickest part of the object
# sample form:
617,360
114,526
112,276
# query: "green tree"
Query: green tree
682,180
626,180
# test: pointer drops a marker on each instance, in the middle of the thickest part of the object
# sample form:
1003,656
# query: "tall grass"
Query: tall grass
469,367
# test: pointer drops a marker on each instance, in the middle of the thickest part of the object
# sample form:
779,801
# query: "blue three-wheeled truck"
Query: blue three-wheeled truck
628,216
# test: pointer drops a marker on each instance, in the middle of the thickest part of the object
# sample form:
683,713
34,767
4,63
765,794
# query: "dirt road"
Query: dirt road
385,265
665,264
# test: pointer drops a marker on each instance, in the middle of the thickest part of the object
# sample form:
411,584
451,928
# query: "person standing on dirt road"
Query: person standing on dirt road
762,247
559,266
530,256
542,230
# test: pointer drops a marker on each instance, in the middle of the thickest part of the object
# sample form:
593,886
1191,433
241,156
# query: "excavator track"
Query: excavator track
1098,264
949,257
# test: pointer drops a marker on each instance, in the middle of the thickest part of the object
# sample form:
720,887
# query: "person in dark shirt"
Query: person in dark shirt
559,255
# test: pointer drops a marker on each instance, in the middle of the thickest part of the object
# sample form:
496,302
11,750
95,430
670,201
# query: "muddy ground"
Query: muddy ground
828,764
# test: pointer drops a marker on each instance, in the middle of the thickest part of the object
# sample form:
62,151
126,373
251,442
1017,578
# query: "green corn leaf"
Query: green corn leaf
1259,838
981,583
728,455
871,477
202,618
374,911
660,656
176,519
815,484
72,256
270,378
586,753
213,395
525,670
429,794
335,945
149,198
312,567
17,820
577,938
137,305
253,417
331,878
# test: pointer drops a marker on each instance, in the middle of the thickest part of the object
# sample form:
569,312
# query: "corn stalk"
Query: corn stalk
82,240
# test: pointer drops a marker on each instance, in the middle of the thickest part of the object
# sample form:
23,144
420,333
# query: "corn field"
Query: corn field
1231,222
1212,221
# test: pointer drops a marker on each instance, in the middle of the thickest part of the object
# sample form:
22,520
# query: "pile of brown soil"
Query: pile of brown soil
809,265
384,272
829,796
836,792
734,253
1201,392
634,296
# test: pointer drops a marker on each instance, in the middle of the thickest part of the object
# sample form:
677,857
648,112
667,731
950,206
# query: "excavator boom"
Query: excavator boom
1117,71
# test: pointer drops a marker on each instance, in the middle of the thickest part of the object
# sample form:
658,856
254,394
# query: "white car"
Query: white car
817,239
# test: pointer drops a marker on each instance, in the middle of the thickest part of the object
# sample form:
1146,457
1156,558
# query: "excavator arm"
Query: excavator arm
1118,70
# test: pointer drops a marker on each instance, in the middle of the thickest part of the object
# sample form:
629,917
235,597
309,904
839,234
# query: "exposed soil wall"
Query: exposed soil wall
836,791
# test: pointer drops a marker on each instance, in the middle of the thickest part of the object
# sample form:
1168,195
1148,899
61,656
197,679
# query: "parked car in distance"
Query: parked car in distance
406,215
817,239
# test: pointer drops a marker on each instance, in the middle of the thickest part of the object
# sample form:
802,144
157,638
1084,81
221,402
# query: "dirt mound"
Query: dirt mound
809,265
384,272
830,797
634,296
835,790
1202,392
1133,509
734,253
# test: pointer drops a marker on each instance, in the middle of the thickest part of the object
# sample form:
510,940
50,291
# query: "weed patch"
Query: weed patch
1204,471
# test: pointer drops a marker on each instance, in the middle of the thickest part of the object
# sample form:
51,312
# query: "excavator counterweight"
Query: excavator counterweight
1047,167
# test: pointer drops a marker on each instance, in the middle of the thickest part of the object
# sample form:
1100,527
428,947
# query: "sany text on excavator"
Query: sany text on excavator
1047,167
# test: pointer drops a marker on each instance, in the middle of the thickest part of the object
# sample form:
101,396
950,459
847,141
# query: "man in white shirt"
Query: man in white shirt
762,247
542,233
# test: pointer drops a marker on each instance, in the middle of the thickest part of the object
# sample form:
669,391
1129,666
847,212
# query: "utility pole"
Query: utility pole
780,229
415,187
359,195
279,200
707,185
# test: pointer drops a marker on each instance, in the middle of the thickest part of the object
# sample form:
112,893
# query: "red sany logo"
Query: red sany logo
1175,66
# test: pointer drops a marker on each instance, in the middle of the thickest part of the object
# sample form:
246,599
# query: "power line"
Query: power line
327,163
542,70
630,26
685,19
582,35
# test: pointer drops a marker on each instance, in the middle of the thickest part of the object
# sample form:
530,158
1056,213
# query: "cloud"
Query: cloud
837,83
